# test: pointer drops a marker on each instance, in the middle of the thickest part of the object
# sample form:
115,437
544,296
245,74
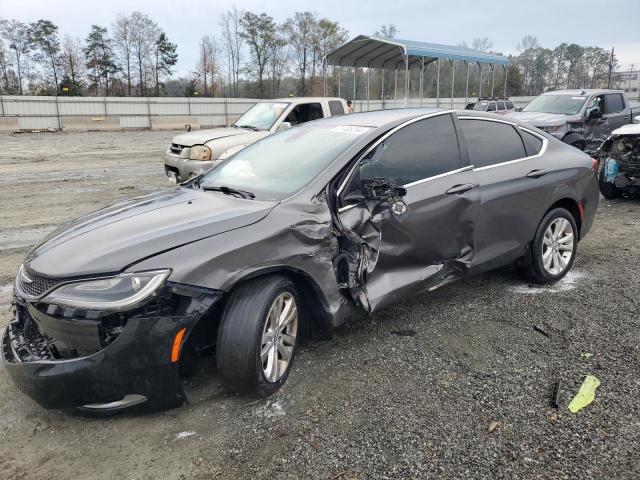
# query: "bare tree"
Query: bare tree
387,31
258,32
143,35
300,34
72,64
482,44
123,38
43,36
278,62
17,36
232,44
207,67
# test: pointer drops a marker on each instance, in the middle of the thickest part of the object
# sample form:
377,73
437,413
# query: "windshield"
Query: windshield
565,104
262,115
283,163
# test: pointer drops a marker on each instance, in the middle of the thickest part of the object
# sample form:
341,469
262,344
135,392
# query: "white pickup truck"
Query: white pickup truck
192,153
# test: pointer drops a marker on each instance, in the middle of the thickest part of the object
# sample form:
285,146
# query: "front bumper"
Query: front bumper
184,169
135,365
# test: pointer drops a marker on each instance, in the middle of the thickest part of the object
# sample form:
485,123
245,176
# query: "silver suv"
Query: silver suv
192,153
501,105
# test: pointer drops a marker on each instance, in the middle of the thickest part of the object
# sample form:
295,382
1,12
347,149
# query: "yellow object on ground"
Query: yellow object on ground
585,395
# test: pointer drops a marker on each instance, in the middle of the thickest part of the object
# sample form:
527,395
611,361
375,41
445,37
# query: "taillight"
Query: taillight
594,165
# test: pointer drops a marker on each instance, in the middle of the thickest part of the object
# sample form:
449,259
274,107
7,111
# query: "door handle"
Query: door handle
536,173
457,189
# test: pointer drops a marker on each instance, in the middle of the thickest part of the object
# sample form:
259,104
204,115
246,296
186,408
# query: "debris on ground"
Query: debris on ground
555,395
181,435
585,395
586,355
540,329
493,426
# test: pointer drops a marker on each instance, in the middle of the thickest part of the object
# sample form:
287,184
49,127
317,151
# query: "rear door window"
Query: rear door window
491,107
336,108
420,150
304,112
509,105
490,142
501,106
613,103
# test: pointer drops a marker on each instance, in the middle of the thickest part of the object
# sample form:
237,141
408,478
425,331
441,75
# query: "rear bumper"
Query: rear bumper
134,369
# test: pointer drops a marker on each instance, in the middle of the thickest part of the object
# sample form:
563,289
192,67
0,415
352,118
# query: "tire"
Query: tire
607,189
575,141
544,241
243,332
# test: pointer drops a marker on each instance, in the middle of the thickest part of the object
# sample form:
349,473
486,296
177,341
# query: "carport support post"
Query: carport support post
437,82
453,80
355,69
382,87
395,89
149,110
480,80
368,80
2,104
57,112
339,80
493,77
506,73
466,90
421,79
406,80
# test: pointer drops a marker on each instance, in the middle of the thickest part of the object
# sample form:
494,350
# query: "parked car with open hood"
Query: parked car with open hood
620,162
290,237
192,153
581,118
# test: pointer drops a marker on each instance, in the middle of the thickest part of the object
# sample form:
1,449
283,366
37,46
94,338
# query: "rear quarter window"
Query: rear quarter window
532,144
336,108
510,105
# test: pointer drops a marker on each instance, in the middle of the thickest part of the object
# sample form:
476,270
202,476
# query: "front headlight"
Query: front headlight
121,292
200,152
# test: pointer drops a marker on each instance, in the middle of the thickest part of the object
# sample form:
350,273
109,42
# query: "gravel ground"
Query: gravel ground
452,384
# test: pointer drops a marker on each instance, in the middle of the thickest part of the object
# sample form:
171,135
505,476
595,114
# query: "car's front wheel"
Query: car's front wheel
554,247
258,335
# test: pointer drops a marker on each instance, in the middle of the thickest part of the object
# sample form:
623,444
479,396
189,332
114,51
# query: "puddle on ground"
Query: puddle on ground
569,282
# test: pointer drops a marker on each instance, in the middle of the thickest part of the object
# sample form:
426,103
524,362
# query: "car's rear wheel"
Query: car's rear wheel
554,247
607,189
258,336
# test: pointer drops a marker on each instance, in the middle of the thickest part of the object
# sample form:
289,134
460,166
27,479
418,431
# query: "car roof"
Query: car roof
579,92
376,118
301,99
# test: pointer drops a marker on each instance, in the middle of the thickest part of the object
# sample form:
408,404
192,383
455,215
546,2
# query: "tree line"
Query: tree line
252,55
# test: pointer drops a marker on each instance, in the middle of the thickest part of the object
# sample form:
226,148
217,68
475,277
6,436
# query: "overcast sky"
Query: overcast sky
603,23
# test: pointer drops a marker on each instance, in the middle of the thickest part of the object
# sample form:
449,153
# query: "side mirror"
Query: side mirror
519,109
283,126
595,114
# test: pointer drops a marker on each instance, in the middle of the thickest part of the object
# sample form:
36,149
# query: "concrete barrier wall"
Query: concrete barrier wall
174,123
9,124
88,124
80,113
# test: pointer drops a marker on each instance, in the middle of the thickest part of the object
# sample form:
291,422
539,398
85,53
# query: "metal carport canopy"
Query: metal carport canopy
378,52
389,53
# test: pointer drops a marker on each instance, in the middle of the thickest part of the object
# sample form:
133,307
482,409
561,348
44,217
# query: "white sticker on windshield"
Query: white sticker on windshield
278,106
350,129
578,98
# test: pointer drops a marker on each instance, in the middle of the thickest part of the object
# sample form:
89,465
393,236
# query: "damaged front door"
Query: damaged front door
406,214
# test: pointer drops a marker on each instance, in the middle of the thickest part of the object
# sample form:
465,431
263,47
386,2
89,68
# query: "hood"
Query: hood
200,137
538,119
111,239
631,129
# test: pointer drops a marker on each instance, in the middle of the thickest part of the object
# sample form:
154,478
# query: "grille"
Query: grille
175,148
631,166
38,284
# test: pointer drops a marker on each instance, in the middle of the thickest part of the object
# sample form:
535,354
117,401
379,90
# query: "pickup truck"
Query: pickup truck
192,153
581,118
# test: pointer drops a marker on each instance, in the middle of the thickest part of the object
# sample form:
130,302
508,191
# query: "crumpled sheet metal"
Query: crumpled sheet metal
595,132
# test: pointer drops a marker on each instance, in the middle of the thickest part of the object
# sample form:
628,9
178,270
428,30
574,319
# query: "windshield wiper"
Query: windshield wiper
230,191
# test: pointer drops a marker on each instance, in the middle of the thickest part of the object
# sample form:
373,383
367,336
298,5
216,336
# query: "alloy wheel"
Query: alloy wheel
557,246
279,337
